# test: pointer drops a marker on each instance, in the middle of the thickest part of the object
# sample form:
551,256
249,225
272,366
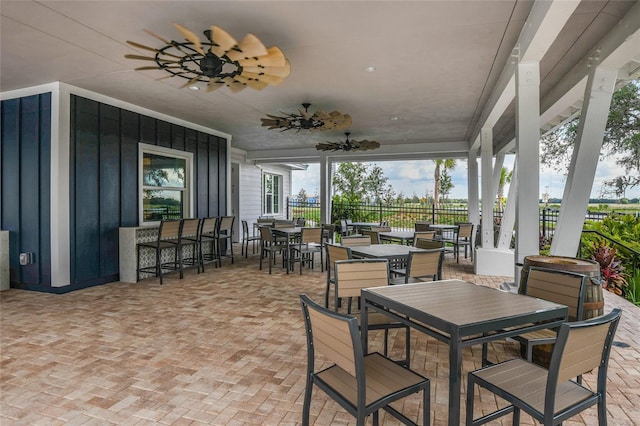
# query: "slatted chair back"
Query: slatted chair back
209,226
421,264
355,274
335,253
283,224
226,224
422,226
334,336
381,228
566,288
311,235
169,230
265,221
374,236
266,236
353,241
190,228
428,244
465,231
582,347
424,235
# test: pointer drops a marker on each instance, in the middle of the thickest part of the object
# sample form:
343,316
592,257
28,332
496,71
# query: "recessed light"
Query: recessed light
370,69
194,87
395,118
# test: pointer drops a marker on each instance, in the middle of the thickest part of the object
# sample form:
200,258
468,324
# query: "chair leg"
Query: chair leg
137,263
158,264
469,410
307,402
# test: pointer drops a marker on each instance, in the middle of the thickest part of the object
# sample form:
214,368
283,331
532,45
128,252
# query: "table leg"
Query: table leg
455,378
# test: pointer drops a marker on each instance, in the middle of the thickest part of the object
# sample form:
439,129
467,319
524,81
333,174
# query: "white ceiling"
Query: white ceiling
437,62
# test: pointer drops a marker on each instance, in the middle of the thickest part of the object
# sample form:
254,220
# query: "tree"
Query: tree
446,184
302,195
505,177
621,138
442,166
359,181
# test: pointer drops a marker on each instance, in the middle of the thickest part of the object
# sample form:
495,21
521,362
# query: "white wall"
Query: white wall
250,190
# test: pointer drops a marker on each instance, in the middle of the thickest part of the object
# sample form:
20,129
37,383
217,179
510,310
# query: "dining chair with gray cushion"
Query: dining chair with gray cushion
361,384
551,396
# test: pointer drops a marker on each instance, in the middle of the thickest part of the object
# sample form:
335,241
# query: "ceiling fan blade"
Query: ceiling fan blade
248,47
214,85
190,82
234,85
254,84
153,49
321,115
162,39
265,78
274,58
223,40
169,76
191,37
149,58
275,71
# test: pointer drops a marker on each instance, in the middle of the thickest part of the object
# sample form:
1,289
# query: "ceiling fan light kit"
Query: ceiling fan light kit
217,61
304,120
348,145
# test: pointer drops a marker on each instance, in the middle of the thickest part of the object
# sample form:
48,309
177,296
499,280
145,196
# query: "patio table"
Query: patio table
291,234
403,237
383,251
360,225
460,314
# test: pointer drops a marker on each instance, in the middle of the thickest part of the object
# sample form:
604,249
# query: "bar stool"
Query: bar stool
246,239
189,237
167,239
208,231
225,233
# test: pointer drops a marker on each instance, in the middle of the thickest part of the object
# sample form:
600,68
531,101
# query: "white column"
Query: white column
584,161
325,196
497,172
488,195
528,159
60,215
472,187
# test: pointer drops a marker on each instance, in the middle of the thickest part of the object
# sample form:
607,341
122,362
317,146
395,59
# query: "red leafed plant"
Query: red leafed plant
610,267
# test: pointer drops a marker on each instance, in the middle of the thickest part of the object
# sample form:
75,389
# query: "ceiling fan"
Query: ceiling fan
348,145
304,120
218,61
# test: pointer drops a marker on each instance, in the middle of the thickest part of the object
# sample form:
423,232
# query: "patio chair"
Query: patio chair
351,276
208,238
345,229
246,239
462,237
566,288
381,228
167,239
420,264
328,233
361,384
424,235
269,247
550,396
373,235
224,236
334,253
356,240
305,249
300,221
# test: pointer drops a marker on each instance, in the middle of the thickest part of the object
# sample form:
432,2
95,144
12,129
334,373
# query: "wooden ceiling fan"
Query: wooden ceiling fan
348,145
304,120
217,61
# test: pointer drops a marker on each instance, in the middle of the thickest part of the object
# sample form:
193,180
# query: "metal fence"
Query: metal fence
403,216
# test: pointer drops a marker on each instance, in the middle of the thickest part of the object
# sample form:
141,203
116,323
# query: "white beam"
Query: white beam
528,159
325,193
584,161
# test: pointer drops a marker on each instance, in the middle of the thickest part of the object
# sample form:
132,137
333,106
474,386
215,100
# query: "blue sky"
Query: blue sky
417,176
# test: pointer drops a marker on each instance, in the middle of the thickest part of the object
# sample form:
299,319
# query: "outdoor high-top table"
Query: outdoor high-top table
383,251
460,314
403,237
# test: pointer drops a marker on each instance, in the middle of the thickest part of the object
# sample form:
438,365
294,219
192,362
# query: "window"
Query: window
271,187
165,180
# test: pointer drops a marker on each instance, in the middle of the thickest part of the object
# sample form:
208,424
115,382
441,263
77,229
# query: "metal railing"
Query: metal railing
549,218
621,247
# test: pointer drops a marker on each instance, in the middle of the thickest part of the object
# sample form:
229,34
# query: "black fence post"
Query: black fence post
544,222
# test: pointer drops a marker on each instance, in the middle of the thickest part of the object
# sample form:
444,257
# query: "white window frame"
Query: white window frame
264,194
144,148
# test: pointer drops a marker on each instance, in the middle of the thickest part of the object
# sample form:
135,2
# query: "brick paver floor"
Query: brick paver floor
226,347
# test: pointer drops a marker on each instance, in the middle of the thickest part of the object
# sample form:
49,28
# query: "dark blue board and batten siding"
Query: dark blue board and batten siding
25,188
103,179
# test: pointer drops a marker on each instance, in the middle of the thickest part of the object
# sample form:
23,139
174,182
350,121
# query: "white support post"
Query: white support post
488,194
528,160
584,161
325,196
509,214
497,172
472,189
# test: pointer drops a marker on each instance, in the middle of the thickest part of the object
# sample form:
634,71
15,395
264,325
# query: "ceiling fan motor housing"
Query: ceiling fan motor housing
211,65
